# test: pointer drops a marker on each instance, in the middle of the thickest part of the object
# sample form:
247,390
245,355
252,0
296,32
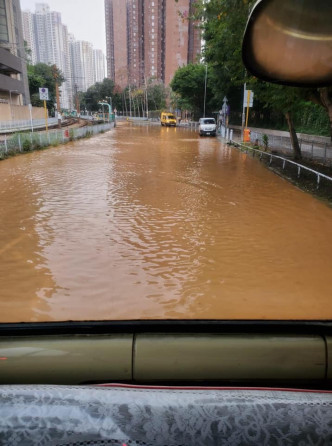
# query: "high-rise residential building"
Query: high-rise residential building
182,37
98,66
117,55
149,39
154,39
50,43
13,74
82,64
28,25
76,63
135,41
47,38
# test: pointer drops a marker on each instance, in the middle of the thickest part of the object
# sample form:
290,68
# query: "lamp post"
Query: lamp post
110,98
205,88
110,108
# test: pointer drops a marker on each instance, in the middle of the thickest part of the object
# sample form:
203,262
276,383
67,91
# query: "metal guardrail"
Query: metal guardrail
26,142
284,161
312,149
25,124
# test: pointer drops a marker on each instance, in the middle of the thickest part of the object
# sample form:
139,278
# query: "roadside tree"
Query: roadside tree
42,75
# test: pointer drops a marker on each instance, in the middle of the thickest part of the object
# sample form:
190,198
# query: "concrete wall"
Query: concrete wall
19,113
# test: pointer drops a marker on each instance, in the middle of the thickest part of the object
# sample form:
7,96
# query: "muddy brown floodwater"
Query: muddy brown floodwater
146,222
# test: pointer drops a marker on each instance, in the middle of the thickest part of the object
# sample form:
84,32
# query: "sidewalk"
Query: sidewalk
313,147
302,136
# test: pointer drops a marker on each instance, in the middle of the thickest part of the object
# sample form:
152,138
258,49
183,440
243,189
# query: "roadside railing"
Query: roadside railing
310,148
27,142
9,126
271,156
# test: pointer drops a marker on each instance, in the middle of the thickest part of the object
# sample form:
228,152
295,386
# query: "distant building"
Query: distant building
98,66
116,30
14,87
149,39
182,37
50,43
28,33
82,64
47,38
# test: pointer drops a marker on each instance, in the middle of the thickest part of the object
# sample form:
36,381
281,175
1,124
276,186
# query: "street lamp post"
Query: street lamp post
110,108
110,98
205,88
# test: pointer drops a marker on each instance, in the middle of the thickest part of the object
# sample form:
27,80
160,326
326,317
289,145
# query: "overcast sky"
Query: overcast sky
84,18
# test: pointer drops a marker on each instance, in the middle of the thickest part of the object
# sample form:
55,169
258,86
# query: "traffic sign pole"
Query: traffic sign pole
46,123
248,105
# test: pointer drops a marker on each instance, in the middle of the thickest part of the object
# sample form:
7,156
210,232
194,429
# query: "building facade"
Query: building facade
51,43
117,55
98,66
14,88
47,39
28,24
149,39
82,64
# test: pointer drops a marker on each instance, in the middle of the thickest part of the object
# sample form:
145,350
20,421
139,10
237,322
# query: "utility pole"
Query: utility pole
146,99
56,76
129,100
205,89
243,107
77,100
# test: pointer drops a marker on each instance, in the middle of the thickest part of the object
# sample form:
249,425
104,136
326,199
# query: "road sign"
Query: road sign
245,99
43,94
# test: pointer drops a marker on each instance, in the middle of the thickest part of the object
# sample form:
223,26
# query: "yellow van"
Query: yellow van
168,119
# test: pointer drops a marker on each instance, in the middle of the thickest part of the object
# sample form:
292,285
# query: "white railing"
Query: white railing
271,156
25,124
319,149
27,142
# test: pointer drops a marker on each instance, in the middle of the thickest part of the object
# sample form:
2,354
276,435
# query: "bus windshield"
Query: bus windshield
110,212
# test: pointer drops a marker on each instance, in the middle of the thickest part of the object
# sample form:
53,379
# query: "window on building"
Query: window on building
3,22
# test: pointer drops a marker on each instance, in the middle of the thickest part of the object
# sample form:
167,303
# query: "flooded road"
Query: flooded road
148,222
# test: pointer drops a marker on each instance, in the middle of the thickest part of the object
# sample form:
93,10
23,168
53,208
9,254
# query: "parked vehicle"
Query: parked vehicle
207,126
168,119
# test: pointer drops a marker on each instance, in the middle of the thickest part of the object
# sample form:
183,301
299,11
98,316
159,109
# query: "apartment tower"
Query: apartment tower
149,39
51,43
14,87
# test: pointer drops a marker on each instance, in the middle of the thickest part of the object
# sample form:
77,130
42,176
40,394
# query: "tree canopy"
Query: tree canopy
189,83
223,23
43,75
151,96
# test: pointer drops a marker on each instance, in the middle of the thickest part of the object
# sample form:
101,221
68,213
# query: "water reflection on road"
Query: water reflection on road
150,222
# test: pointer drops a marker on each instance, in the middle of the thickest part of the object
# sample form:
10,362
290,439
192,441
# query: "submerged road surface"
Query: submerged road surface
148,222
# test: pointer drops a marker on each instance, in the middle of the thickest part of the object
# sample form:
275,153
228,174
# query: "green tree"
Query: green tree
189,83
285,100
223,26
28,52
157,94
100,91
42,75
323,98
223,23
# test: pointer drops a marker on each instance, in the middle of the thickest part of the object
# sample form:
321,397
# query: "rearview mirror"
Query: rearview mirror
290,42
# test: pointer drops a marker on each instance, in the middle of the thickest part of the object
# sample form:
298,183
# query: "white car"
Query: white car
207,126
